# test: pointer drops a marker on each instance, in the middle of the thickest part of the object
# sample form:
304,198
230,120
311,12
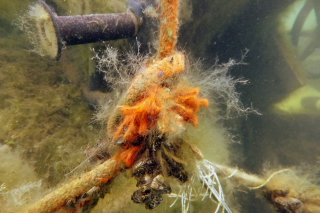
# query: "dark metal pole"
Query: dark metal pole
94,28
82,29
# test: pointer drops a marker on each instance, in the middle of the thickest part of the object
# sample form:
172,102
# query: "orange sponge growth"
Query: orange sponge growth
129,155
141,117
161,109
187,103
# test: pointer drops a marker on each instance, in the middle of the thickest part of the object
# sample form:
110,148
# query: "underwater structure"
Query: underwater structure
137,124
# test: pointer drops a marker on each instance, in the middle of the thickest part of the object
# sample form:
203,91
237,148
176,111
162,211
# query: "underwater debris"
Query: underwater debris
157,104
147,125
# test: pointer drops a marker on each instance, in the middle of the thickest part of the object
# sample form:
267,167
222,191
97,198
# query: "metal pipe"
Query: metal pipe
94,28
58,31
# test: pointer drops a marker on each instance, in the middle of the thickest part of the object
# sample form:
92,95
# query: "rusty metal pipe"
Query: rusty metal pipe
58,31
94,28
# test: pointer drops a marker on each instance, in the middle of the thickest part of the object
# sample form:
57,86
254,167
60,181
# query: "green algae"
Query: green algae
43,115
46,124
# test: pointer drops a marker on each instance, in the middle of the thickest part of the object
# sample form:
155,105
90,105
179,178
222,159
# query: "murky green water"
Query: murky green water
47,117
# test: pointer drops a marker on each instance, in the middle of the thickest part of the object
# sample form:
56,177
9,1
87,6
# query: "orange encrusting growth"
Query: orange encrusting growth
159,106
129,155
188,103
140,117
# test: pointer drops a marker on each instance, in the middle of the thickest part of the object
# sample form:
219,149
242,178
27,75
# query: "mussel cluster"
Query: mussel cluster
151,172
